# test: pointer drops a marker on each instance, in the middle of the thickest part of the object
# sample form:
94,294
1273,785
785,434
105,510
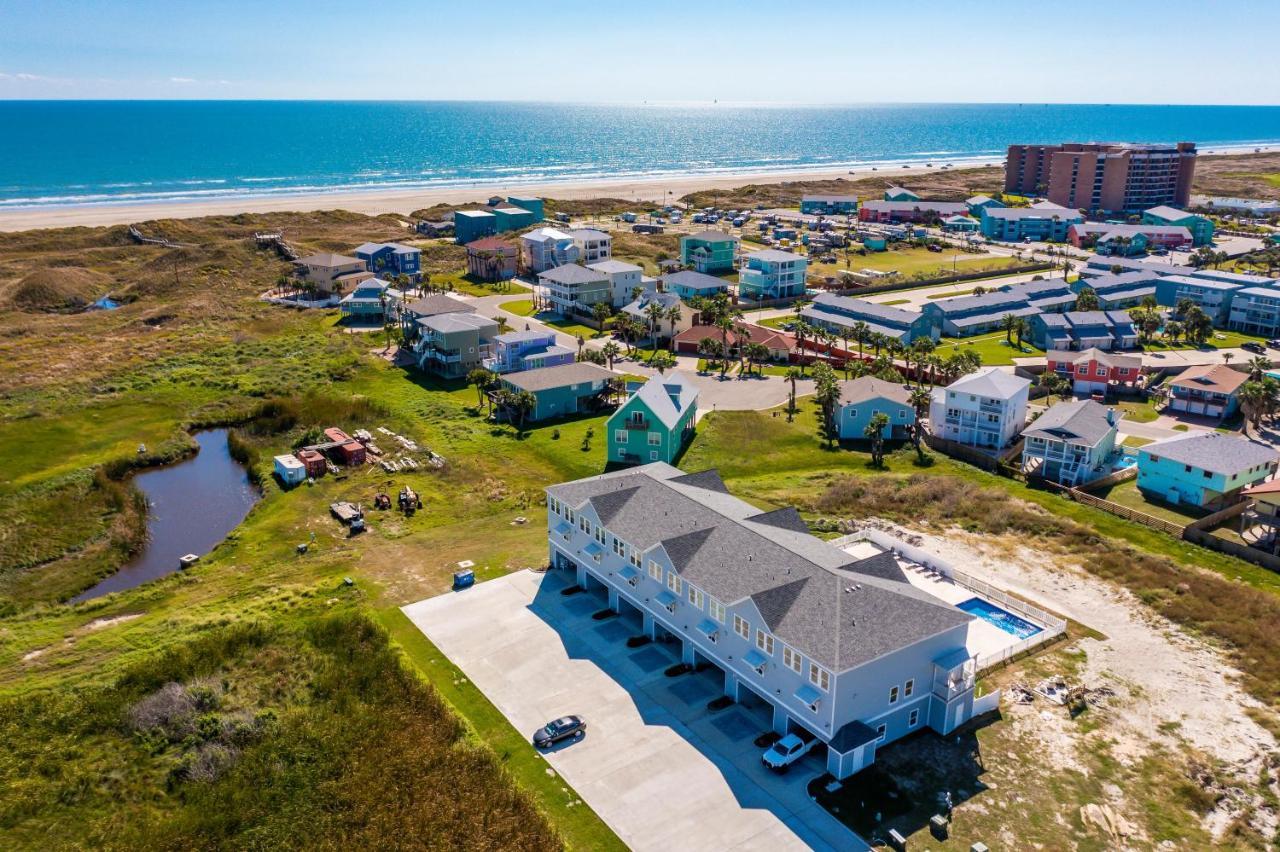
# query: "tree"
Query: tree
1019,329
654,312
480,379
1008,322
757,354
581,343
1197,326
793,375
1173,330
921,349
1258,367
827,393
725,323
709,348
662,361
1256,399
611,351
600,312
524,403
1087,299
673,316
875,433
860,332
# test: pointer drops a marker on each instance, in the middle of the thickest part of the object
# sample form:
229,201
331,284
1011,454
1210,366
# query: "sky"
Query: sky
795,51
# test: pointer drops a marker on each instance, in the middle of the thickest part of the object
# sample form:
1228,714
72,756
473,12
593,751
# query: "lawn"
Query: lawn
914,261
1127,494
524,308
992,348
950,294
1135,441
1221,340
1139,412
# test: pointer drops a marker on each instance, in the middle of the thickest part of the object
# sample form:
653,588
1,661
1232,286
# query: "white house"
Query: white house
984,409
546,248
1072,443
594,246
624,279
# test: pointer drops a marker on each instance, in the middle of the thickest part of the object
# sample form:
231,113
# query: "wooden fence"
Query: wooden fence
964,452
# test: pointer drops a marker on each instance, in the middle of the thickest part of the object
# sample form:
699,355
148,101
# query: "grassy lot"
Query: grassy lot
1139,412
524,308
1221,340
914,261
1136,441
992,348
519,307
895,301
1127,494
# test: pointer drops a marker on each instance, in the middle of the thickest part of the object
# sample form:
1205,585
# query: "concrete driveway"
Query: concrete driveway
655,764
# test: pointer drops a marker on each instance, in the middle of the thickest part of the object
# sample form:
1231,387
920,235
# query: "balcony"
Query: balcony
641,425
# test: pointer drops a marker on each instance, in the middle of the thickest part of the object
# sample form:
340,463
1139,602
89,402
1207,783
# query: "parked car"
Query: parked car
564,728
788,750
1274,344
1254,346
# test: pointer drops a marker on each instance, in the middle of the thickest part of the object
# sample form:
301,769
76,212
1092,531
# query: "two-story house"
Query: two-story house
331,274
655,423
593,246
666,325
709,251
772,274
624,280
866,396
688,284
1094,371
453,344
1205,469
372,301
563,390
1081,330
841,315
492,259
571,289
986,409
845,648
391,259
526,350
1072,443
1210,390
546,248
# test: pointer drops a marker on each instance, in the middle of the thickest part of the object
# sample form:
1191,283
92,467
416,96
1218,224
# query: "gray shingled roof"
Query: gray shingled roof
1212,451
839,611
1082,422
864,388
669,397
695,280
710,236
438,304
545,378
571,273
863,308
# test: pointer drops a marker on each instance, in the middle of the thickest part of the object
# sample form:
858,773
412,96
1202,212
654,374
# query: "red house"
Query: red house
1095,371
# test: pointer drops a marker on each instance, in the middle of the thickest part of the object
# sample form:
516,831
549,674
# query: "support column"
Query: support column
582,576
731,685
613,600
649,627
686,652
780,720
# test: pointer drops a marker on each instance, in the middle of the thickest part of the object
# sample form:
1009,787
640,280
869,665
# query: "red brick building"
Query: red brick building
1103,177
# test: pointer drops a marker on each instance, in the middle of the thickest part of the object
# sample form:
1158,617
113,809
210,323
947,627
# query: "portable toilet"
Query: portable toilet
290,470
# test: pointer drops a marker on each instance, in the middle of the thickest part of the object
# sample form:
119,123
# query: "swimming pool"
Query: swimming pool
1002,618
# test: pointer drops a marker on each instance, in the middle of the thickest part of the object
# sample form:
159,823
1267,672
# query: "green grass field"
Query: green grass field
913,261
992,348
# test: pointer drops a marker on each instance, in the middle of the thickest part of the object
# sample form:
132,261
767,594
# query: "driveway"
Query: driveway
656,765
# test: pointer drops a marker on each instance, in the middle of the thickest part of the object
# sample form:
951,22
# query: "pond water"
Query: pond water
192,505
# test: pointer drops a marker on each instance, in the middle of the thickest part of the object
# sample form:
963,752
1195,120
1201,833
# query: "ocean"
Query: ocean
102,152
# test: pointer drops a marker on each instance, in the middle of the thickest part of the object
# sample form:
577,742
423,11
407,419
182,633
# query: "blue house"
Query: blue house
866,396
1043,223
391,259
841,314
772,274
373,300
655,423
978,203
1213,297
829,205
1126,290
527,350
1204,469
498,217
688,284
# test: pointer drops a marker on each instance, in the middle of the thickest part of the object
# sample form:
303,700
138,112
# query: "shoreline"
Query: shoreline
404,201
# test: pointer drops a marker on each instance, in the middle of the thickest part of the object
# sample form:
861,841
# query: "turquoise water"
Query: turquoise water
1005,620
96,152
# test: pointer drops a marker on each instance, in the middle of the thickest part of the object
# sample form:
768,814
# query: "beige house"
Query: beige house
331,274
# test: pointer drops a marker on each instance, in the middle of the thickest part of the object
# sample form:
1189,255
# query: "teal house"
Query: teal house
563,390
1205,469
656,423
865,397
708,252
1201,227
898,193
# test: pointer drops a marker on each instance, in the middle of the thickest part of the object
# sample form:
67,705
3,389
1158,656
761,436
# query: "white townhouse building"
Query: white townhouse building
984,409
594,246
843,647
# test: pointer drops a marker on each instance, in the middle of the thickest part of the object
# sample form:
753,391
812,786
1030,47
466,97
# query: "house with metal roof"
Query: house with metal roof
986,409
1210,390
772,274
391,259
1200,227
1106,330
1205,469
709,251
829,205
1047,223
563,390
866,396
1072,443
978,203
656,422
843,647
841,314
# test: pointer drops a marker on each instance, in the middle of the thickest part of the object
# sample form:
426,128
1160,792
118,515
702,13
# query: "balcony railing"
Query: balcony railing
640,425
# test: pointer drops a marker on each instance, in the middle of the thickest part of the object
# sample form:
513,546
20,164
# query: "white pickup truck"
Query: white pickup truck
788,750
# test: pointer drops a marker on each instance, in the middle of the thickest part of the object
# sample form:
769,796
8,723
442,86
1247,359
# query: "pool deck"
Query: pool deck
984,638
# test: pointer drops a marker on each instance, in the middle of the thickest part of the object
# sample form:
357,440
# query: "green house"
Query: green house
563,390
898,193
656,423
1201,227
708,251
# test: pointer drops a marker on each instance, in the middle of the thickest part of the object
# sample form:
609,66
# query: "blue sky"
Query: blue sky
797,51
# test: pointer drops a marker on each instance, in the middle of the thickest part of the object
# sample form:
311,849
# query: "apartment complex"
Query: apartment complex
843,315
1103,176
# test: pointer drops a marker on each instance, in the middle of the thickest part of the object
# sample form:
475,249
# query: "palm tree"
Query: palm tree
600,312
1008,322
525,403
875,433
921,348
1258,367
481,379
827,393
1173,330
581,343
860,330
611,350
1086,299
655,312
1255,399
725,323
674,316
793,375
757,354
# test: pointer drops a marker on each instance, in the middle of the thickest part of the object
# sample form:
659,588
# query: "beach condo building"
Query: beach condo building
829,205
1256,310
866,396
963,316
472,225
1126,240
509,217
331,274
986,409
1094,371
656,422
624,280
1072,443
546,248
665,327
1213,297
961,225
526,350
1099,265
529,202
709,252
1079,330
1204,469
1115,292
772,274
453,344
1201,227
843,647
392,259
1103,177
909,210
498,217
572,290
688,284
562,391
593,246
1208,390
898,193
840,315
372,301
978,203
492,259
1044,223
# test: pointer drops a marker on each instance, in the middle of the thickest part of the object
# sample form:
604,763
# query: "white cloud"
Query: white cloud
183,80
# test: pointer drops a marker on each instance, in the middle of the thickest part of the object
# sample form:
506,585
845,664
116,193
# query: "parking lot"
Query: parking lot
659,767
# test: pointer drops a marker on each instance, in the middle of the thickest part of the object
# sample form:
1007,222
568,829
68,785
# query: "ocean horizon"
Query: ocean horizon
89,153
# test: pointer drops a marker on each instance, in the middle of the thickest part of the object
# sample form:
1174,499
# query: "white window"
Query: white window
880,732
791,659
568,515
741,627
655,439
717,610
913,719
553,505
584,524
764,642
655,570
908,688
820,678
635,557
619,547
600,534
695,597
673,582
619,436
893,695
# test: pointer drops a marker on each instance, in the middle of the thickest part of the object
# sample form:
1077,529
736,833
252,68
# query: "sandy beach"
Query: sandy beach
406,201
